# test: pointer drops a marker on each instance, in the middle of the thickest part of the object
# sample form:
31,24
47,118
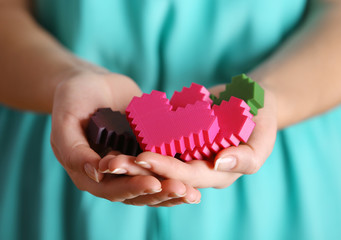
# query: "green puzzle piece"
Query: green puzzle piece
244,88
214,99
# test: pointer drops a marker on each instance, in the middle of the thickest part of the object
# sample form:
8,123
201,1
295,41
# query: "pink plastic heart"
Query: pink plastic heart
235,124
160,129
190,95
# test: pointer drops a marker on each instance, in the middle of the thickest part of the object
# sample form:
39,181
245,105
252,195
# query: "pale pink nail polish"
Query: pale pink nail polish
225,163
119,171
143,164
91,172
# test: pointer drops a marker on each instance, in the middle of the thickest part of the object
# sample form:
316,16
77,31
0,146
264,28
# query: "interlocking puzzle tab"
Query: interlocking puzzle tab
244,88
109,129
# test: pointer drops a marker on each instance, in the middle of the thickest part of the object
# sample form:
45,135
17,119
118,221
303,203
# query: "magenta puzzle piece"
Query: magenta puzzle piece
108,130
235,123
190,95
160,129
186,125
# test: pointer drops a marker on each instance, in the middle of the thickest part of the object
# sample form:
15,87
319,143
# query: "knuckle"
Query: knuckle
119,159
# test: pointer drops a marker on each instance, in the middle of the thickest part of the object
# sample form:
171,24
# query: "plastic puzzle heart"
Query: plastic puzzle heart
109,130
159,128
245,88
235,126
187,124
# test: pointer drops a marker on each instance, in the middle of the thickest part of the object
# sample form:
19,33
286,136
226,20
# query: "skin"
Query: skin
57,85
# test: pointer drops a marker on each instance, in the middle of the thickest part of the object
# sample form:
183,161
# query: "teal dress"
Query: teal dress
165,45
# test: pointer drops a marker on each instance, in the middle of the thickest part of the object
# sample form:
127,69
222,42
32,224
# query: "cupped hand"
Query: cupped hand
230,163
76,98
249,157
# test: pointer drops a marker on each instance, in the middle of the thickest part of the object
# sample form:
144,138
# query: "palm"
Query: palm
250,156
75,100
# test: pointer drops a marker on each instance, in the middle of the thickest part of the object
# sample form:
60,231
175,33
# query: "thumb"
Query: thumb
248,158
72,149
84,159
241,159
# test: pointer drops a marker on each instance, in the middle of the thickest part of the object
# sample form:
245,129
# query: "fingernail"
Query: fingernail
150,191
225,163
143,164
191,202
119,171
91,172
176,195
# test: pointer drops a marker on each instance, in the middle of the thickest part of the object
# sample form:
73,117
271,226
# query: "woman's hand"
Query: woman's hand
229,164
76,98
248,158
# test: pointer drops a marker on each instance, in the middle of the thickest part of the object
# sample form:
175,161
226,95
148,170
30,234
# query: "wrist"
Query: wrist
98,85
272,98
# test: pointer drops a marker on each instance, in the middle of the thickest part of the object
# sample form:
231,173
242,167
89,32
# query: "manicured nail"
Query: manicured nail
225,163
191,202
119,171
91,172
143,164
151,191
176,195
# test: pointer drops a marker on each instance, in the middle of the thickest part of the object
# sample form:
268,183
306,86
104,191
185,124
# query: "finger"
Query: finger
166,166
170,203
193,196
248,158
170,189
104,162
71,146
197,173
121,164
120,188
